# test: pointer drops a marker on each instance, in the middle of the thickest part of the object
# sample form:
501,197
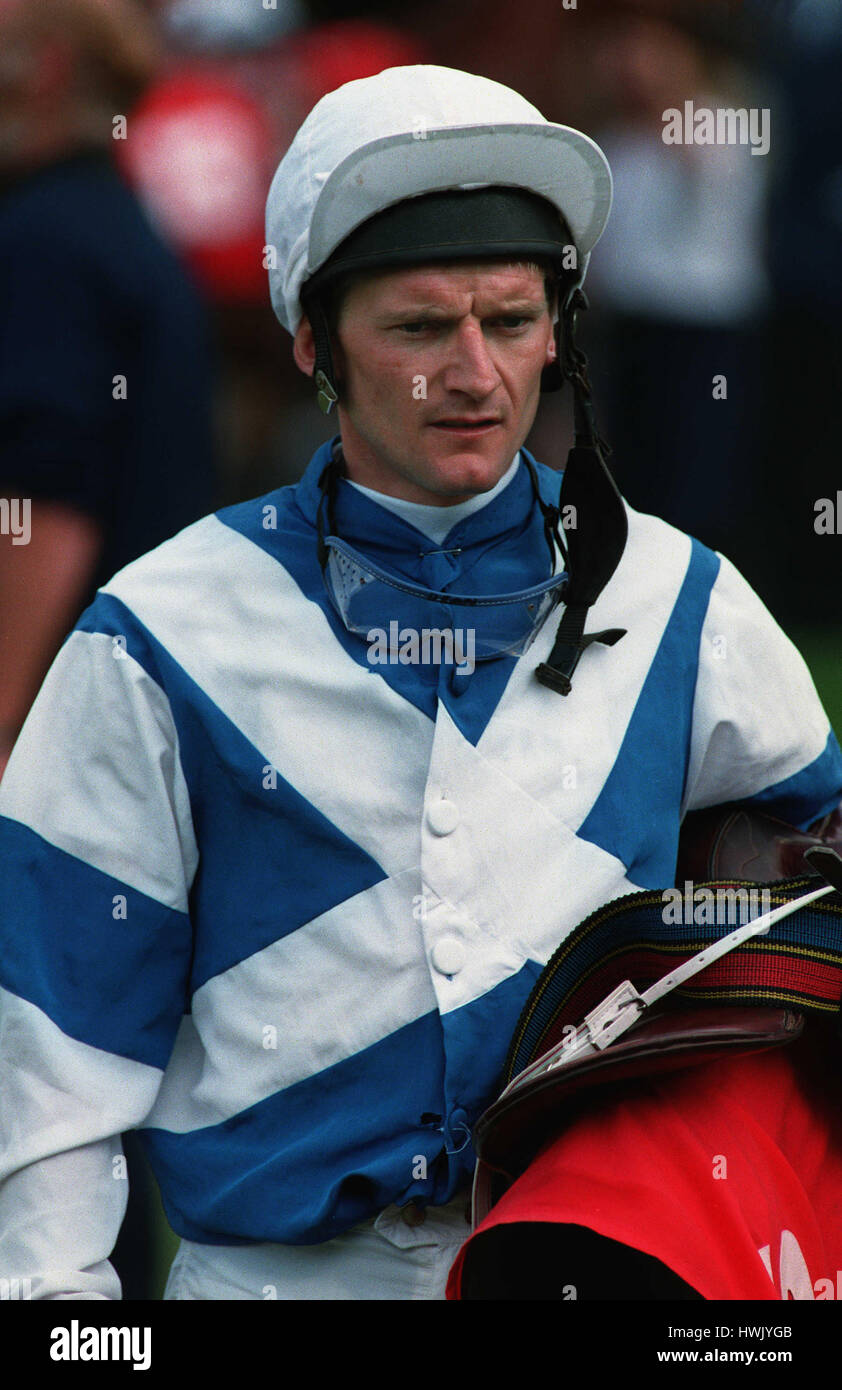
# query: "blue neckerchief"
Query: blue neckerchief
499,549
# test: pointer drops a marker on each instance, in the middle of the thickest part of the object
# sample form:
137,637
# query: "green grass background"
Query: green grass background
822,651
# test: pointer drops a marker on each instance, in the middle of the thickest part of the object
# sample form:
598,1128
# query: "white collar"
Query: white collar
438,522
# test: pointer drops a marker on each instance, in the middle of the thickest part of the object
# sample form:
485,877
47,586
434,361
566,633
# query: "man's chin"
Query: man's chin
467,468
434,468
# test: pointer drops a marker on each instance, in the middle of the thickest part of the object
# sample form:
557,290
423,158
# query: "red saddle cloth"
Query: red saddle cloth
729,1174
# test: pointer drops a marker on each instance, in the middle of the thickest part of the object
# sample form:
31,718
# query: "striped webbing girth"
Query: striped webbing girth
799,962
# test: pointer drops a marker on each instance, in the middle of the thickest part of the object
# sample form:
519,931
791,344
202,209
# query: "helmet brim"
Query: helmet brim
559,164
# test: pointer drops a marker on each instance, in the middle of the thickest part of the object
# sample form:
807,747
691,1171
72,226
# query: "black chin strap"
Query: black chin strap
597,540
324,375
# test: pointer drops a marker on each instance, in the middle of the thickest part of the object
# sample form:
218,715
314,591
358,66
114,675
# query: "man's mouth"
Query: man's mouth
466,426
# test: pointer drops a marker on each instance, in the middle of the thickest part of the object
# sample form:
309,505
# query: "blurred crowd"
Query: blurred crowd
143,377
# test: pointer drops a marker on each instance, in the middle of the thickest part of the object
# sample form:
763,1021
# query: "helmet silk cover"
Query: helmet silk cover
414,130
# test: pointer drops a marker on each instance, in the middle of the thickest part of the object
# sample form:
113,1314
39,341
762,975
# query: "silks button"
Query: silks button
443,817
448,955
413,1215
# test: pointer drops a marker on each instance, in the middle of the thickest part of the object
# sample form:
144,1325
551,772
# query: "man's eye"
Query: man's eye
510,321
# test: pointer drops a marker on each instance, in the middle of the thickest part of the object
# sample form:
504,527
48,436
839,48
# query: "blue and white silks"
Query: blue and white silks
279,908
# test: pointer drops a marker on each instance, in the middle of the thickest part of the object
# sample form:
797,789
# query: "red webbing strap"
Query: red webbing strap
643,936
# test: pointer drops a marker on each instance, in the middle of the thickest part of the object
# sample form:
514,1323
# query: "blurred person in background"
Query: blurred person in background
105,401
104,358
682,288
803,424
681,277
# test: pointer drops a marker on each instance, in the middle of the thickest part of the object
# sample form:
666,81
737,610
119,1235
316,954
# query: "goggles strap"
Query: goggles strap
331,473
552,519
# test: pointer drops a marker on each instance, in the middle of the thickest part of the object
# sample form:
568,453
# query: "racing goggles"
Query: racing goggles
369,598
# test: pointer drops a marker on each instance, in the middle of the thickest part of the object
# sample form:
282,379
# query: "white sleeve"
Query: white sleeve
759,730
98,854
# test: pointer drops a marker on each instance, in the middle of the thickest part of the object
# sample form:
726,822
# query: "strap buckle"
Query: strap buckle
327,396
625,1005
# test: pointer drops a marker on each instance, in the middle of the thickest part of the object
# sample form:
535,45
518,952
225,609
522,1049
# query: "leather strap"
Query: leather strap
510,1133
798,964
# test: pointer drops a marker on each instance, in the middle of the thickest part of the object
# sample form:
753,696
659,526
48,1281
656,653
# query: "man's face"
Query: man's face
440,369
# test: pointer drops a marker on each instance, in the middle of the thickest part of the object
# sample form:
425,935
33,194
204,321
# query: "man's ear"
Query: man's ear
552,346
304,348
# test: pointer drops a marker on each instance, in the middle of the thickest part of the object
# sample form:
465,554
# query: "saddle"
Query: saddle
760,995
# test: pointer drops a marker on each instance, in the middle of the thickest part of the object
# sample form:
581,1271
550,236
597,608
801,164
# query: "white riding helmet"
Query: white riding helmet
423,164
410,131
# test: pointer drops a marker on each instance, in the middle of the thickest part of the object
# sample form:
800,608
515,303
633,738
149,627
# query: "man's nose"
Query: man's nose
470,368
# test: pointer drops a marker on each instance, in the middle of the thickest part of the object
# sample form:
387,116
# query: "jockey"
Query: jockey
315,789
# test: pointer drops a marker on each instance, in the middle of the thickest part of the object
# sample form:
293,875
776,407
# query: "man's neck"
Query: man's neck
437,522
